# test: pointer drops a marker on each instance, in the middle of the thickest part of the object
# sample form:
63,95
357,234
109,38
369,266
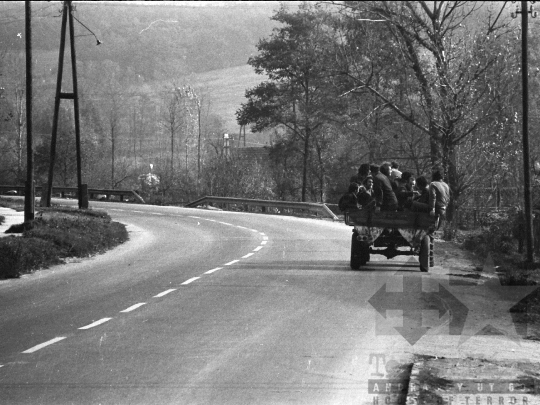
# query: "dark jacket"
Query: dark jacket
385,196
348,202
423,197
403,192
365,197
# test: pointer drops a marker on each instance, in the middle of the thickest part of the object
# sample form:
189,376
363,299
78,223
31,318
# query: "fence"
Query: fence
266,206
93,193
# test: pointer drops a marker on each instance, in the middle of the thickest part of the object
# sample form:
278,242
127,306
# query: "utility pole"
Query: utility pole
67,13
29,187
242,135
199,145
525,98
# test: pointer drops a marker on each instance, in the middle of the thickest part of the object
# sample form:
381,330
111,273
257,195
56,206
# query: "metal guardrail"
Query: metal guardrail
92,192
283,207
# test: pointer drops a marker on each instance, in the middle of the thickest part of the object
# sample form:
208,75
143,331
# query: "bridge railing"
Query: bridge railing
265,206
93,193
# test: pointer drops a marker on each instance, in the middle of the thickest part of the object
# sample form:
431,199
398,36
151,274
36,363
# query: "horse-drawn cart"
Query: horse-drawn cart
391,230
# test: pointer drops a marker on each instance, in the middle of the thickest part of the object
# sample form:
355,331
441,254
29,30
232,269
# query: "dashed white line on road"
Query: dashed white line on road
233,262
140,212
191,216
190,280
1,365
257,248
133,307
44,344
156,213
224,223
96,323
246,256
242,227
161,294
211,271
265,237
264,242
254,230
262,233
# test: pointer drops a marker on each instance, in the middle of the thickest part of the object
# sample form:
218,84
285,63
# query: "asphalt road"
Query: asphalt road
207,307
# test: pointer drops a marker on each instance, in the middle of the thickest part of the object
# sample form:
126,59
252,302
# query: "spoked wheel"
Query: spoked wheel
425,254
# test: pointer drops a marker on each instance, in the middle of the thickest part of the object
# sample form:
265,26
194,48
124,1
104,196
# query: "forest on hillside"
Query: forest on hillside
428,85
155,91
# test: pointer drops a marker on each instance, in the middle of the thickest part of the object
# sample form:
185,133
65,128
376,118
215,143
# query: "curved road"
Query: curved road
204,307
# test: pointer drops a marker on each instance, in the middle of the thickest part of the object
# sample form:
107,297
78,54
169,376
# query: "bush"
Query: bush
23,255
56,234
497,237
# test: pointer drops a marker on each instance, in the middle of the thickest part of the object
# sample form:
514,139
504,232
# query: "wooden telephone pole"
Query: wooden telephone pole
67,11
29,203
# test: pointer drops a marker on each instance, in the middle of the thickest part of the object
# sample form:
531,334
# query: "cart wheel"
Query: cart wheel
364,252
356,253
423,256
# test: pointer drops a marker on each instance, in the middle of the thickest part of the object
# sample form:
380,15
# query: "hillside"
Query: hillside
226,89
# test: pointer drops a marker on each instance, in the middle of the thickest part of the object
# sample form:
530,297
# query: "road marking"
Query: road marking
140,212
190,280
254,230
42,345
233,262
131,308
246,256
262,233
116,209
224,223
96,323
211,271
265,237
156,213
242,227
1,365
264,242
257,248
191,216
161,294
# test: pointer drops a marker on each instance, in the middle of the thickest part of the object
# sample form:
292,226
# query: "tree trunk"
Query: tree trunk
306,162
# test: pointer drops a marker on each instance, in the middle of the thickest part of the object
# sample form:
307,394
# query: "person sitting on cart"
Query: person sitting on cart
363,172
366,194
384,193
405,192
349,201
395,174
437,197
420,202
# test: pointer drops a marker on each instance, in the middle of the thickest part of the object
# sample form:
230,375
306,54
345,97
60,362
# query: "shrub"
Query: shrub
22,255
57,234
498,236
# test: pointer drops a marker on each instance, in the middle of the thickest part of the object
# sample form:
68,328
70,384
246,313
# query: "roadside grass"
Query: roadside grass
498,241
56,234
